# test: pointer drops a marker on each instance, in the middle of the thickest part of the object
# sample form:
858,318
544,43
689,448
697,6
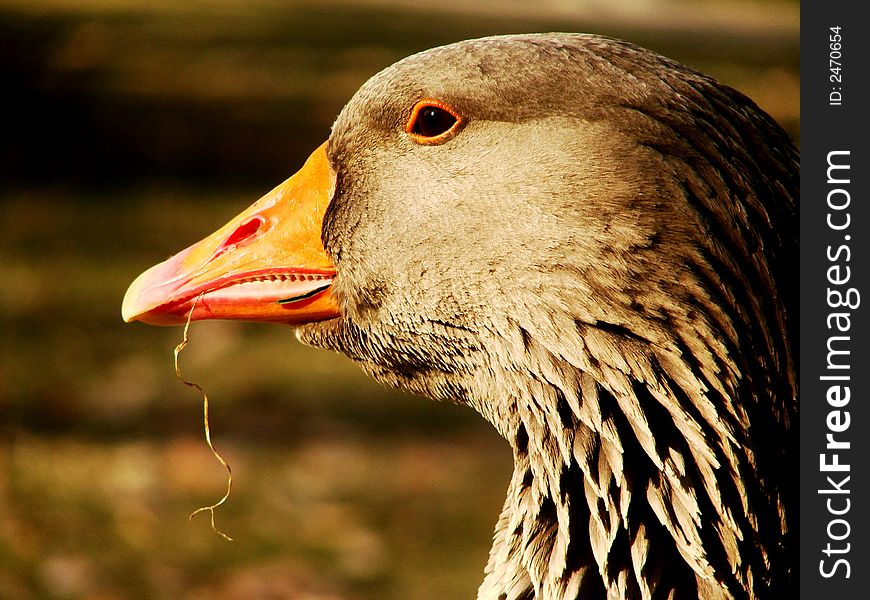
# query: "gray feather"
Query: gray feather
602,263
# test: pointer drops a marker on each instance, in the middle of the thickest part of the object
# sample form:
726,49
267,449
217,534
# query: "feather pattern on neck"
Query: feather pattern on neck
611,462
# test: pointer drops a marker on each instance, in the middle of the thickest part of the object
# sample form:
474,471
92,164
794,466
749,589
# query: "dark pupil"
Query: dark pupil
432,121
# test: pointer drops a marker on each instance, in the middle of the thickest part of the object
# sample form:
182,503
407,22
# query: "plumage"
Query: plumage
600,259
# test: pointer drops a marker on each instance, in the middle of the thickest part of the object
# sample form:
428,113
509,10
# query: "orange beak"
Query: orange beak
267,264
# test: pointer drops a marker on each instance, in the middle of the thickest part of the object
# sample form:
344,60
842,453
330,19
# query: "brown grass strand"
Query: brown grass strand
211,508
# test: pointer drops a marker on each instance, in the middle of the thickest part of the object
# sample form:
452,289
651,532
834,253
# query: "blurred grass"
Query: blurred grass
138,127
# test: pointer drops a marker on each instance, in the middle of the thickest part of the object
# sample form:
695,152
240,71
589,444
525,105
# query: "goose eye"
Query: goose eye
432,122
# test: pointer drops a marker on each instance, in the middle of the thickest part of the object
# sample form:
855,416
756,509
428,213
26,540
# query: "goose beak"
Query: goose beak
267,264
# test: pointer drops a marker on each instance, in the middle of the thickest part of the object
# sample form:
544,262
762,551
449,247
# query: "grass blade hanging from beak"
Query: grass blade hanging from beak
211,508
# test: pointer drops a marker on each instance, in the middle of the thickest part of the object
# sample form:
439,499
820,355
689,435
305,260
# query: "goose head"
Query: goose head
589,244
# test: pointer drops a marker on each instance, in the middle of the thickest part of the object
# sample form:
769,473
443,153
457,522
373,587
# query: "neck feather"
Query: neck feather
634,477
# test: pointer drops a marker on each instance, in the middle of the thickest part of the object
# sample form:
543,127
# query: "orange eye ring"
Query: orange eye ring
432,122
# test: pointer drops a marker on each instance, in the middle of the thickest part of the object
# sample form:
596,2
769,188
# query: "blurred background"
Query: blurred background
131,129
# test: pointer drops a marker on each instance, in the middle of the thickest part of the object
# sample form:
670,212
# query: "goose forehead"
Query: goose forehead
518,78
498,77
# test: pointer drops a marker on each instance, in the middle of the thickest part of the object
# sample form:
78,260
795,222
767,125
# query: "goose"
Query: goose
595,248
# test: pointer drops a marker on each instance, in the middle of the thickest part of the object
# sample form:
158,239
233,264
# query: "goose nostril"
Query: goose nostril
244,231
